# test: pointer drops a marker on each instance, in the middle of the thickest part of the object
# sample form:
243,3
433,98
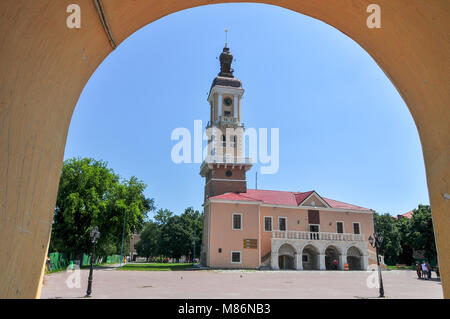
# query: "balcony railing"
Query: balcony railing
228,159
306,235
225,120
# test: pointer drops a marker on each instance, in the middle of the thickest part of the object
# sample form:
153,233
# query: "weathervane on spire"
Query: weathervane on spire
226,37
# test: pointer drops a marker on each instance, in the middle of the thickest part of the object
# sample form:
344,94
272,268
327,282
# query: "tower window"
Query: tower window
227,113
233,139
228,173
268,223
237,221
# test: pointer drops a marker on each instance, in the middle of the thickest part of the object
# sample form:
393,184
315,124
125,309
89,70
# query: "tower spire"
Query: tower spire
226,58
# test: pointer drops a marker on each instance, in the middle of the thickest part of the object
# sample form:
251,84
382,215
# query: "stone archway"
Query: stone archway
331,254
45,65
287,257
310,258
354,258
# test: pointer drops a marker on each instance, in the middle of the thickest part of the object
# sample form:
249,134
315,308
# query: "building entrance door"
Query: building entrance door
314,231
281,262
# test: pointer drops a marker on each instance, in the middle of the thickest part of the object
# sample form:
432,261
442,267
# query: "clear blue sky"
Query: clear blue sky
344,129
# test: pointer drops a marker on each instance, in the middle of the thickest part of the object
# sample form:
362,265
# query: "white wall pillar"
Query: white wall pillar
219,100
274,260
342,261
236,101
365,262
322,265
299,261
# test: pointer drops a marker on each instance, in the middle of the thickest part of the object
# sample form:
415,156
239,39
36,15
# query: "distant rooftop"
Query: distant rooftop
407,215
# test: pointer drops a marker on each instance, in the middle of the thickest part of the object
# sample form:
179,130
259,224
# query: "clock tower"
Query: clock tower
225,166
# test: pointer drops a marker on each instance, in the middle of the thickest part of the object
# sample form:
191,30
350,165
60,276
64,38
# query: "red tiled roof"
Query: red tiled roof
282,198
408,214
337,204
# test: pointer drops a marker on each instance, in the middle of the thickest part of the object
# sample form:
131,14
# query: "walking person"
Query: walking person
428,270
335,264
424,270
419,271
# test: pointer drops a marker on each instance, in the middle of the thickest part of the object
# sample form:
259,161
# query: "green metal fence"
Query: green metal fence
60,261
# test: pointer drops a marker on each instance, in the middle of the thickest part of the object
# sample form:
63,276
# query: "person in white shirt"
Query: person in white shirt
424,271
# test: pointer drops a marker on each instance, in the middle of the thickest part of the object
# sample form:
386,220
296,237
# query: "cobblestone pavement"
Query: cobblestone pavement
111,283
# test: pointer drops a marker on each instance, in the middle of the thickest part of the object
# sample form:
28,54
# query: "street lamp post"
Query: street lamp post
95,235
377,243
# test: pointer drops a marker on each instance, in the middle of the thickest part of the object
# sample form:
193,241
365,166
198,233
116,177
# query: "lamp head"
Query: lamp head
95,235
379,239
371,240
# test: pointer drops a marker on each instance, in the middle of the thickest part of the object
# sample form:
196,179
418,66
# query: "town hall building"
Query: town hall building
268,229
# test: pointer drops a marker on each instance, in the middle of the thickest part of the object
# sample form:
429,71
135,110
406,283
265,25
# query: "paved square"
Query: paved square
111,283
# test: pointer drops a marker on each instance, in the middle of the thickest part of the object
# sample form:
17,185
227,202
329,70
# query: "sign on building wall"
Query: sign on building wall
251,243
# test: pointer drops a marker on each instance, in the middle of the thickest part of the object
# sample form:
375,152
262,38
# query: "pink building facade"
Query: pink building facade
263,229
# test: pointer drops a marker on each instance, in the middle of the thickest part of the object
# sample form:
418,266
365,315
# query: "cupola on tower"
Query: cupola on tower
225,166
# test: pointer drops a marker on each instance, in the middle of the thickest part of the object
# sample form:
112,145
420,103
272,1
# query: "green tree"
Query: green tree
406,255
387,227
147,246
193,222
91,194
421,234
162,216
172,235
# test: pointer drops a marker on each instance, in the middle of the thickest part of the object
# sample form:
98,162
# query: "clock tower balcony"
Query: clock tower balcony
225,120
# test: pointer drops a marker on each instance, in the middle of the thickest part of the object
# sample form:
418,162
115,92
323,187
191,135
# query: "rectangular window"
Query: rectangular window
313,217
236,257
314,228
281,223
237,221
268,223
227,113
356,228
339,227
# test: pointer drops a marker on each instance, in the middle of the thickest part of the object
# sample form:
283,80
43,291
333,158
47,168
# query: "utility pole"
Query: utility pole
256,182
123,237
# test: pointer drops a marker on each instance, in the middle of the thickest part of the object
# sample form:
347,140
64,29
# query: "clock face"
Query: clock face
227,101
